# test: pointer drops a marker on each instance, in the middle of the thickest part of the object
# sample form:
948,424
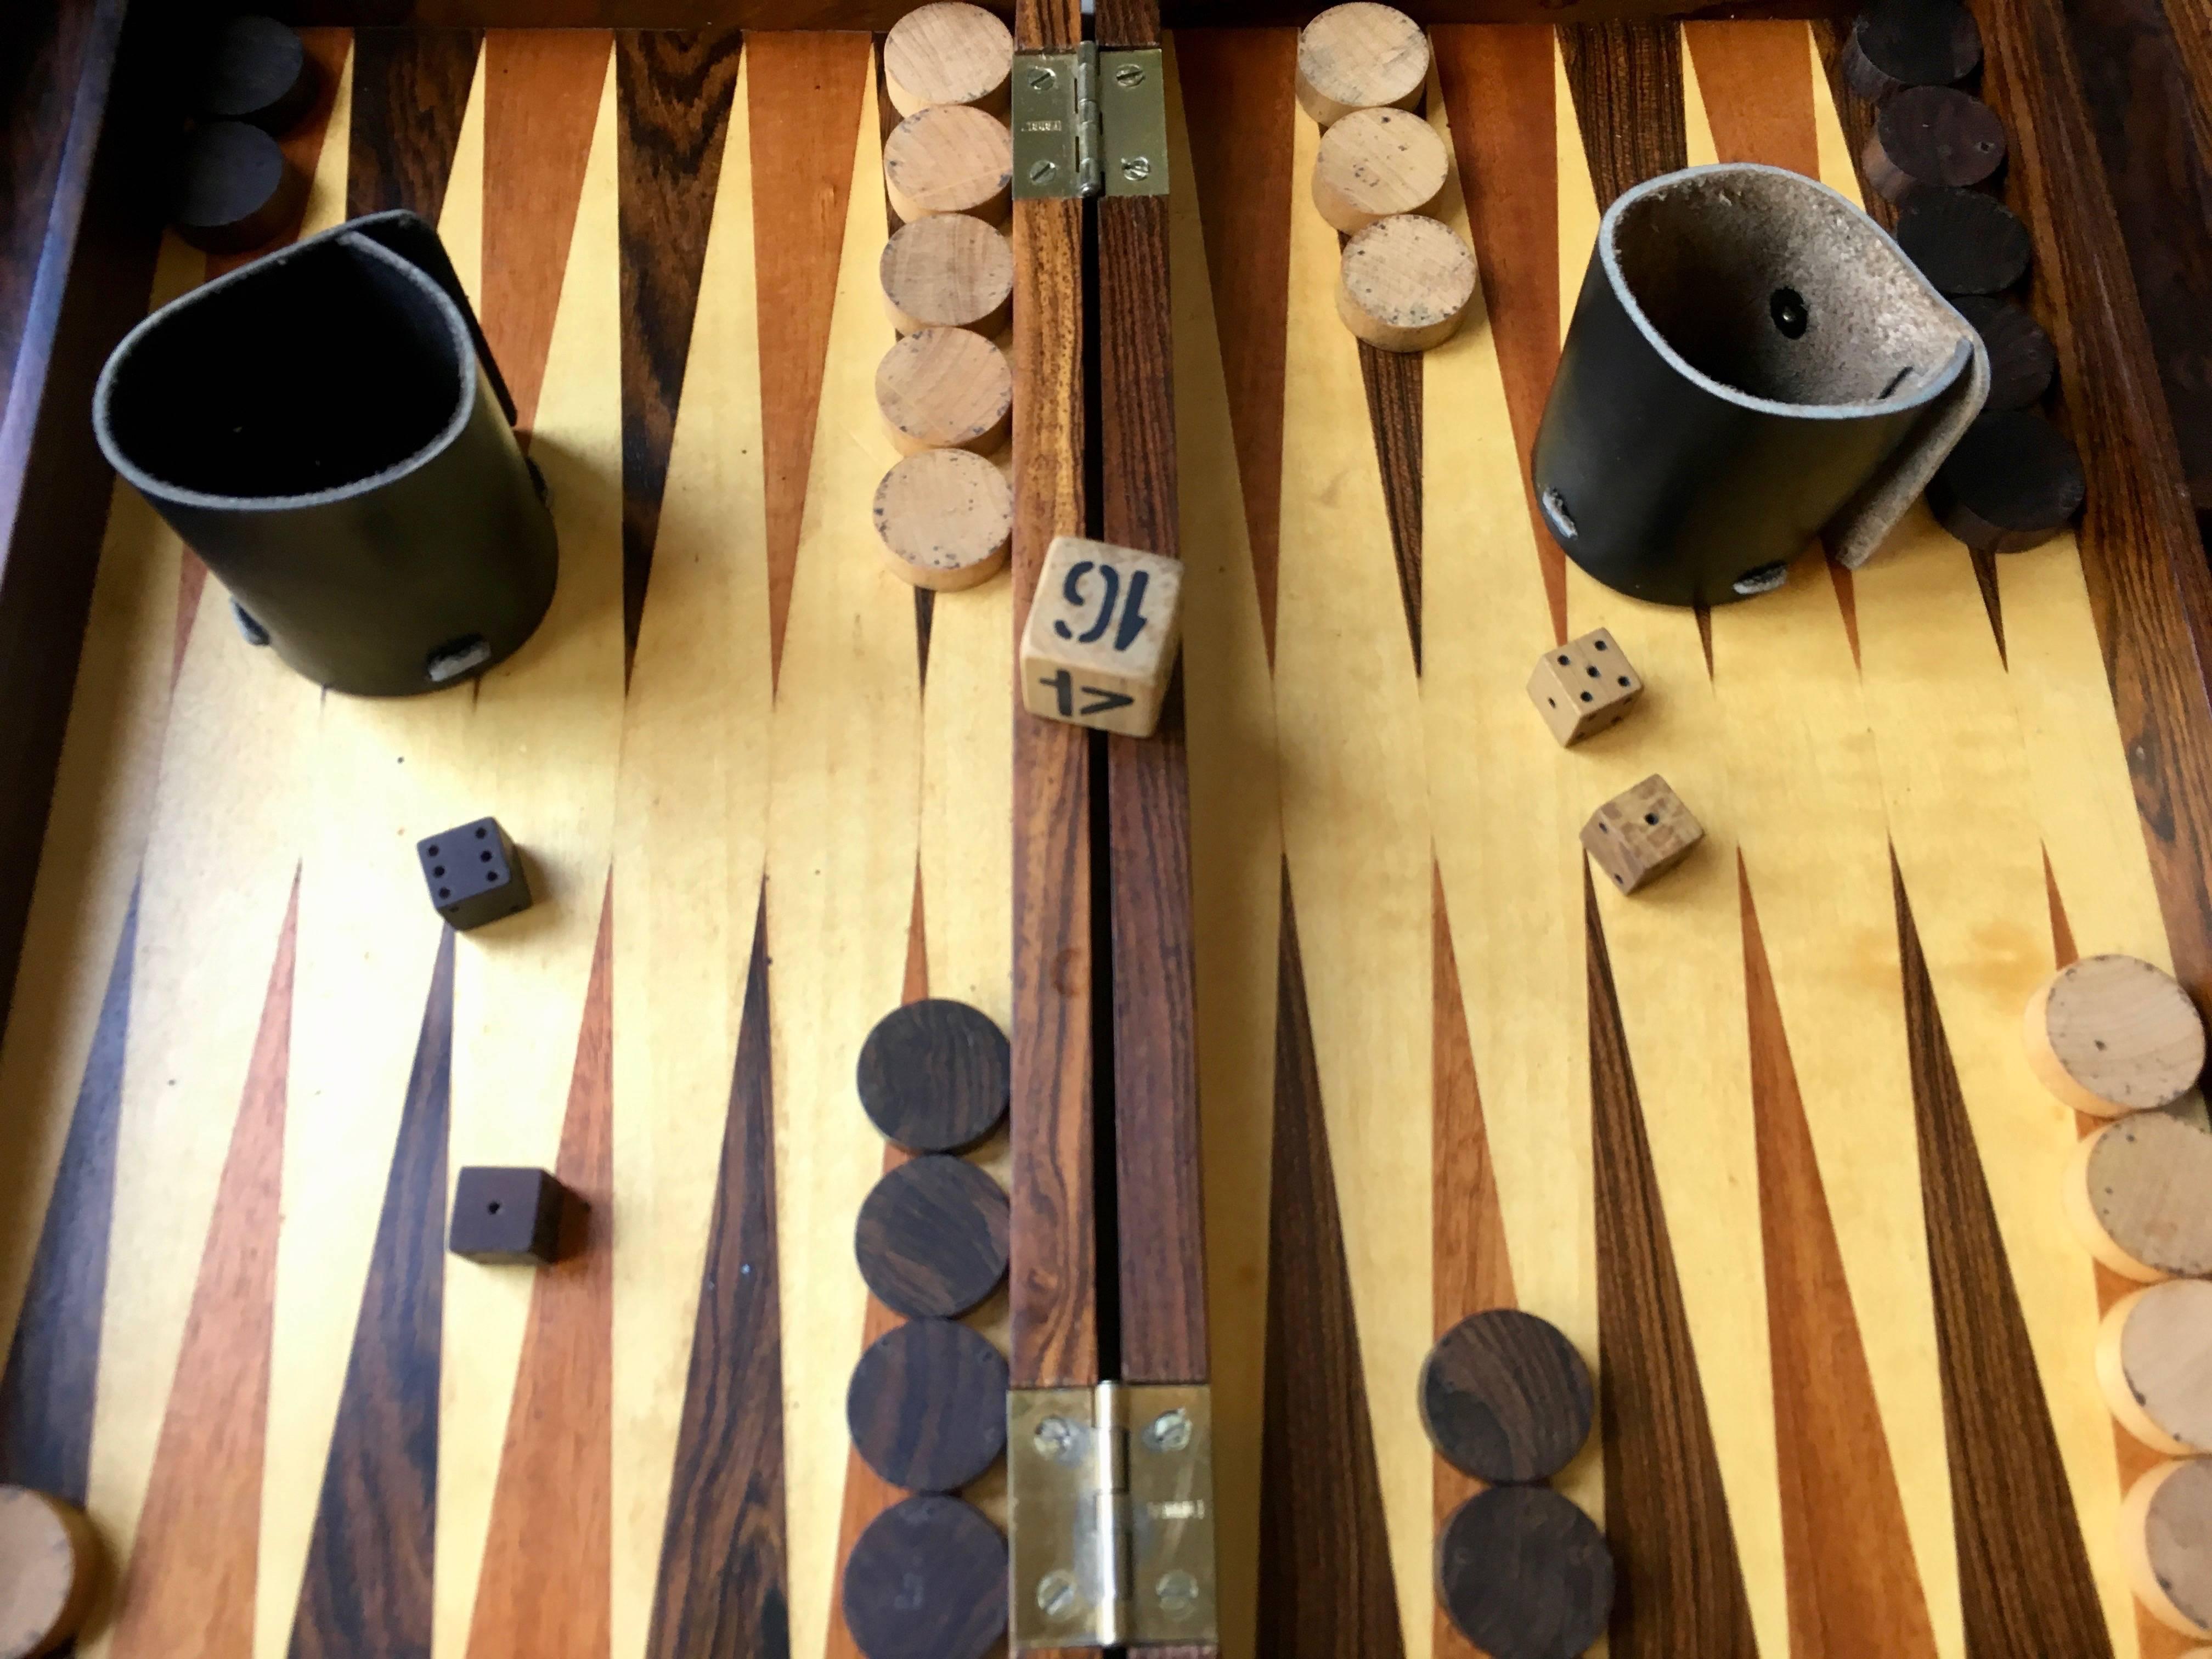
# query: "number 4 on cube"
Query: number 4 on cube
1101,639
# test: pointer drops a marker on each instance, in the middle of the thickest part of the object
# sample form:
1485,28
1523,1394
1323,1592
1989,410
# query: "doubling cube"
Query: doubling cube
1641,833
1583,686
508,1216
1100,643
473,874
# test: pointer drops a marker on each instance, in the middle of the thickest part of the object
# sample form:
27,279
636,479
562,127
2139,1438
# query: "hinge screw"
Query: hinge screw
1135,166
1056,1595
1040,79
1177,1592
1041,170
1130,74
1170,1430
1055,1436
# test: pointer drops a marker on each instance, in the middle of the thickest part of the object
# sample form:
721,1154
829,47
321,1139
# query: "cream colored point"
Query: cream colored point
945,517
1405,284
1376,163
49,1559
2135,1194
948,53
945,388
2154,1361
1361,55
2166,1543
2109,1034
948,271
949,160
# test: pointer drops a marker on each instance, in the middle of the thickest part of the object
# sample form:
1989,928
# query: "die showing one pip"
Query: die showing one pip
1583,686
473,874
1641,833
509,1217
1100,643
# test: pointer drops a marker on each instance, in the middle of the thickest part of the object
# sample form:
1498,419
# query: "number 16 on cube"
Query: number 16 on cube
1101,639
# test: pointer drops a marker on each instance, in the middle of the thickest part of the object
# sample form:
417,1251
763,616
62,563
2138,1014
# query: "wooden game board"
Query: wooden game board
1762,1140
1763,1137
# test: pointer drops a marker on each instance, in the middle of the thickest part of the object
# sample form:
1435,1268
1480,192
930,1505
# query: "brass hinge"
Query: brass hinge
1110,1515
1087,123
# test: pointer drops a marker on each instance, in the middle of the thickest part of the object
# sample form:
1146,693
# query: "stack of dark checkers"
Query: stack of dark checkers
928,1404
2014,481
1523,1573
233,189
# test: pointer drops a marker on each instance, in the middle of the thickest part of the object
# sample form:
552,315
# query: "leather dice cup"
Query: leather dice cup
1752,362
326,429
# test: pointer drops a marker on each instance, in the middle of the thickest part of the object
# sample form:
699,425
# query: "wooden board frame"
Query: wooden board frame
2152,596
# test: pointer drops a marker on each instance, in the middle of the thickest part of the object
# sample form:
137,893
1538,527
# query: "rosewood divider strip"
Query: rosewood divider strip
1054,1281
1162,1231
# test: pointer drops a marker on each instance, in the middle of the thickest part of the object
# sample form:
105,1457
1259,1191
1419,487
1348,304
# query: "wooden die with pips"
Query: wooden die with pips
1641,833
1584,686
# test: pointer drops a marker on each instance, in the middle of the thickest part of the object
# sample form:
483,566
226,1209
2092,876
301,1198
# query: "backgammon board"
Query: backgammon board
1762,1140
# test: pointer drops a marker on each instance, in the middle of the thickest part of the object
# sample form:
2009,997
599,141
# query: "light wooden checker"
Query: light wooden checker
948,52
948,159
2112,1033
948,271
2155,1360
945,388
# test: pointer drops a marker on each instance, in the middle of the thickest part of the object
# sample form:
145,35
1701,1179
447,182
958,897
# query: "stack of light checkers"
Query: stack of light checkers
2115,1037
1406,279
1523,1573
2013,481
945,513
928,1404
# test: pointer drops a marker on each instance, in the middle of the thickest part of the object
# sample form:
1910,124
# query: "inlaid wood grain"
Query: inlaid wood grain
1054,1273
1356,837
53,1353
805,89
675,92
74,204
1512,882
690,824
2027,1583
512,1078
722,1588
2150,595
1817,858
1241,175
1235,862
410,86
367,1580
244,724
1852,1589
1327,1584
87,881
381,770
1508,172
1681,1585
1160,1236
1474,1267
2134,64
542,95
845,775
542,1586
1692,1067
191,1576
1392,383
